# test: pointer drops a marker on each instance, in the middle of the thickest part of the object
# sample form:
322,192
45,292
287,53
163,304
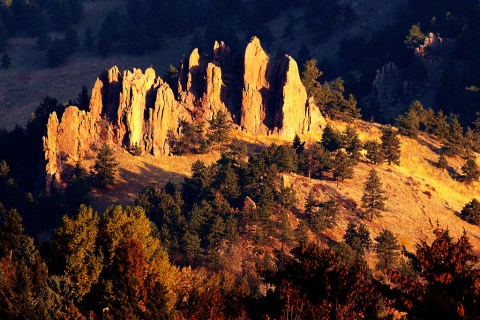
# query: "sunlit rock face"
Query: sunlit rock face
136,109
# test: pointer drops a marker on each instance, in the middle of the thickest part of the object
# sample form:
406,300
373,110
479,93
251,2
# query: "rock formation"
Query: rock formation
394,89
136,109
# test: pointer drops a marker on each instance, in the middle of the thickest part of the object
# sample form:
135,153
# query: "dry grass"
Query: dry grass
419,193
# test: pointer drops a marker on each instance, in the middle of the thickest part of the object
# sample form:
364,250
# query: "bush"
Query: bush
471,212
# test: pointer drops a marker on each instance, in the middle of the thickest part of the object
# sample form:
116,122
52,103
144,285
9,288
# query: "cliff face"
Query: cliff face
138,109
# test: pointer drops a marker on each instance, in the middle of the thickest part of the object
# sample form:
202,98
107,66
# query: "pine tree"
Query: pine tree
311,203
301,233
353,145
342,167
387,249
471,212
83,100
315,160
373,199
442,162
364,236
391,146
332,140
415,37
374,152
409,122
298,145
471,171
310,75
103,173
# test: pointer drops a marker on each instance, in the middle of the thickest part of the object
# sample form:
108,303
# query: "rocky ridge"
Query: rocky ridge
136,109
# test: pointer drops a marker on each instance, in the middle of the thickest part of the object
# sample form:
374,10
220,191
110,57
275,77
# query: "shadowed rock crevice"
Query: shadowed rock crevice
136,109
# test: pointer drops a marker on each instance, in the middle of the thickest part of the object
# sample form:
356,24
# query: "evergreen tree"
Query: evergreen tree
471,171
332,140
83,100
219,129
455,144
103,173
342,167
315,160
391,146
325,217
5,62
471,212
442,162
415,37
374,152
353,145
311,203
301,233
409,122
349,109
387,250
309,77
364,236
373,199
298,145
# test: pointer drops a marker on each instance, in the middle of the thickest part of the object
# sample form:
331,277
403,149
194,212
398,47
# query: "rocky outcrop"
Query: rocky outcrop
255,86
135,109
274,98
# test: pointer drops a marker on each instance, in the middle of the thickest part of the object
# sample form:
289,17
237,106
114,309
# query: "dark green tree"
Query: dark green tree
332,140
325,216
391,146
357,237
442,162
301,233
409,122
83,100
298,145
103,173
219,131
455,140
315,160
387,250
374,152
310,77
471,171
373,199
353,145
471,212
342,167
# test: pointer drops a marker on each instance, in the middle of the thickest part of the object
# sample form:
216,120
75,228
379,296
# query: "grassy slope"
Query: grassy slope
28,80
419,193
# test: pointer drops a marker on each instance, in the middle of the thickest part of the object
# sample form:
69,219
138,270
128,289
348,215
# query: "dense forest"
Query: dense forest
231,240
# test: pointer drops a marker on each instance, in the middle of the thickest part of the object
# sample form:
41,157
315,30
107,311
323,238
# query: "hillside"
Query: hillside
419,194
